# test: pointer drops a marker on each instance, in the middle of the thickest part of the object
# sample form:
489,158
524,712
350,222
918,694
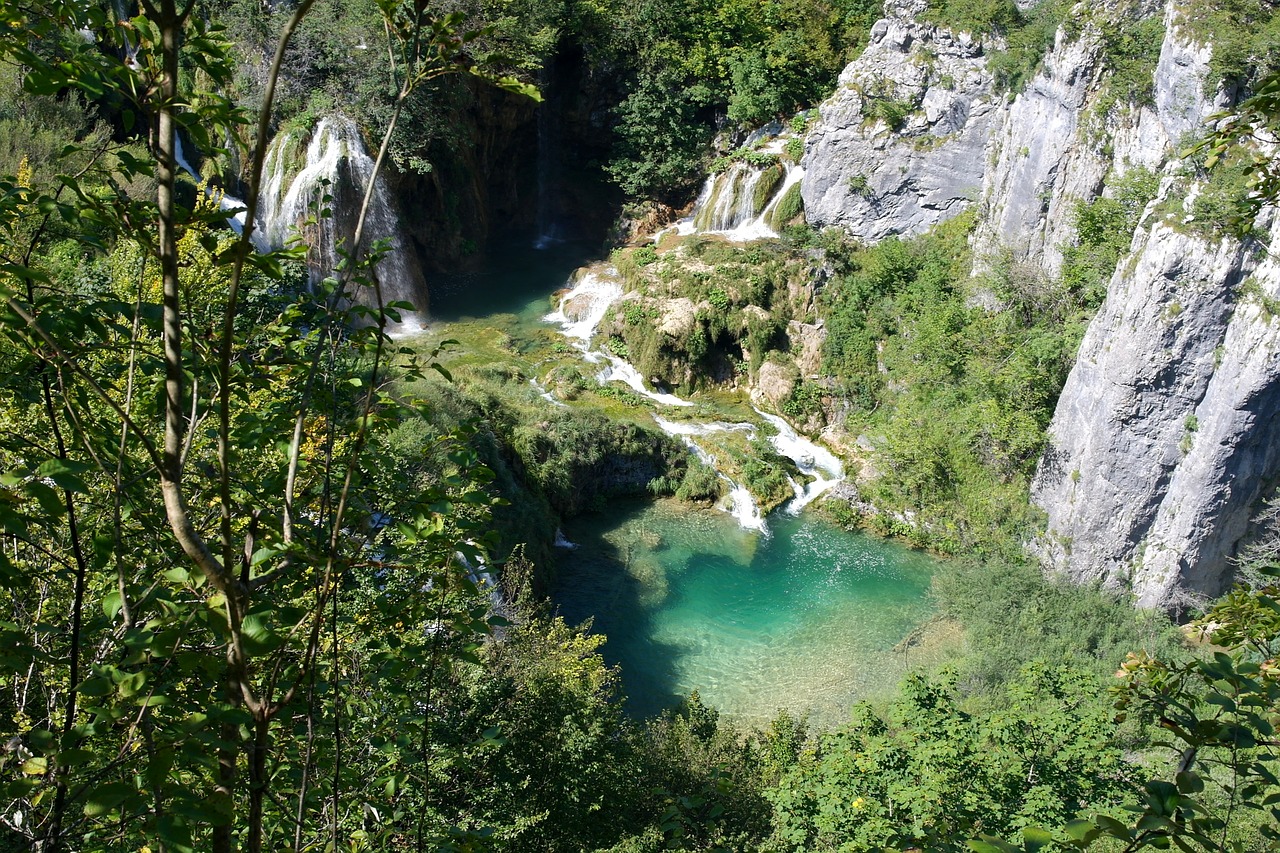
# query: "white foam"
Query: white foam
811,459
601,293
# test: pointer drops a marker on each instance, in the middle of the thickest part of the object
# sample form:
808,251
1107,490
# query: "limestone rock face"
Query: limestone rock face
807,339
1160,445
677,317
774,382
1165,436
1052,151
873,179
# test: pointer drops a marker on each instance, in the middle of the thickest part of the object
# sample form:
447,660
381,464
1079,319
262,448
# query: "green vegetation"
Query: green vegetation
1027,34
242,528
752,59
1132,49
741,301
955,398
1246,40
1104,229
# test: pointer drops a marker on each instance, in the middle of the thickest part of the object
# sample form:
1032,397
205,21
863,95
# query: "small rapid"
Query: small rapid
579,315
809,458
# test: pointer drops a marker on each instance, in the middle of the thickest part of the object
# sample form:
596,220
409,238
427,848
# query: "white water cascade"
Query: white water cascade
233,207
581,311
483,579
740,503
579,315
730,205
812,461
337,163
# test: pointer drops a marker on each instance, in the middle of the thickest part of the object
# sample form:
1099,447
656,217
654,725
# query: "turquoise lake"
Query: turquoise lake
810,618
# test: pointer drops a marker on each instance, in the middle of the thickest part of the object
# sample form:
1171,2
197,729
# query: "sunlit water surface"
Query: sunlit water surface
810,619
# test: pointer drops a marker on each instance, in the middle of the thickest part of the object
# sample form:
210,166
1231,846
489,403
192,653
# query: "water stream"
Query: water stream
756,614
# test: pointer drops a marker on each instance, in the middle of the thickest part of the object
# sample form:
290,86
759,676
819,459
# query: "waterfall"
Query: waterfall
482,579
233,207
733,203
545,394
739,503
580,314
548,164
812,461
583,309
729,205
336,163
732,199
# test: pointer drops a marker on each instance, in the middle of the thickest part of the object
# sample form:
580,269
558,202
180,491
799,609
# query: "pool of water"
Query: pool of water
809,618
514,278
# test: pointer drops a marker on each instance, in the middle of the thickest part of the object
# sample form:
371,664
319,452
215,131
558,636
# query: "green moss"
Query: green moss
790,206
765,187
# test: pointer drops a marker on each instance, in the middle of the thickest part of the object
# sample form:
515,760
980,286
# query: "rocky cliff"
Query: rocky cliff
1162,442
902,143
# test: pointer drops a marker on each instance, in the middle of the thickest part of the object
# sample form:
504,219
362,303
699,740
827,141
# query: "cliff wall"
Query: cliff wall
1162,443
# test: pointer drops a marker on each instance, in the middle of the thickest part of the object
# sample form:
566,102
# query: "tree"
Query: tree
198,574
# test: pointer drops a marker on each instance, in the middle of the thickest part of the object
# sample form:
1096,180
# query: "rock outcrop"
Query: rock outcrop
1160,445
1058,141
901,145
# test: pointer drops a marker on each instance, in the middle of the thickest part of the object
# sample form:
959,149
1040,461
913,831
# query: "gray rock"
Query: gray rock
1161,442
873,180
774,382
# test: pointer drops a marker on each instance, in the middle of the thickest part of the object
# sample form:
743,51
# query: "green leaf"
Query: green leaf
1034,838
35,766
1081,831
50,502
101,799
1189,782
991,845
65,473
72,757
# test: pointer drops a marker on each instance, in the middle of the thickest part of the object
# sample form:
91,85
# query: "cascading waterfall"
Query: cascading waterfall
811,460
546,395
581,311
482,578
233,207
579,315
337,163
740,502
732,201
729,203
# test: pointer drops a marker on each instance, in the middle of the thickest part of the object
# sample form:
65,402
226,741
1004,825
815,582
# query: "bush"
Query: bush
701,484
